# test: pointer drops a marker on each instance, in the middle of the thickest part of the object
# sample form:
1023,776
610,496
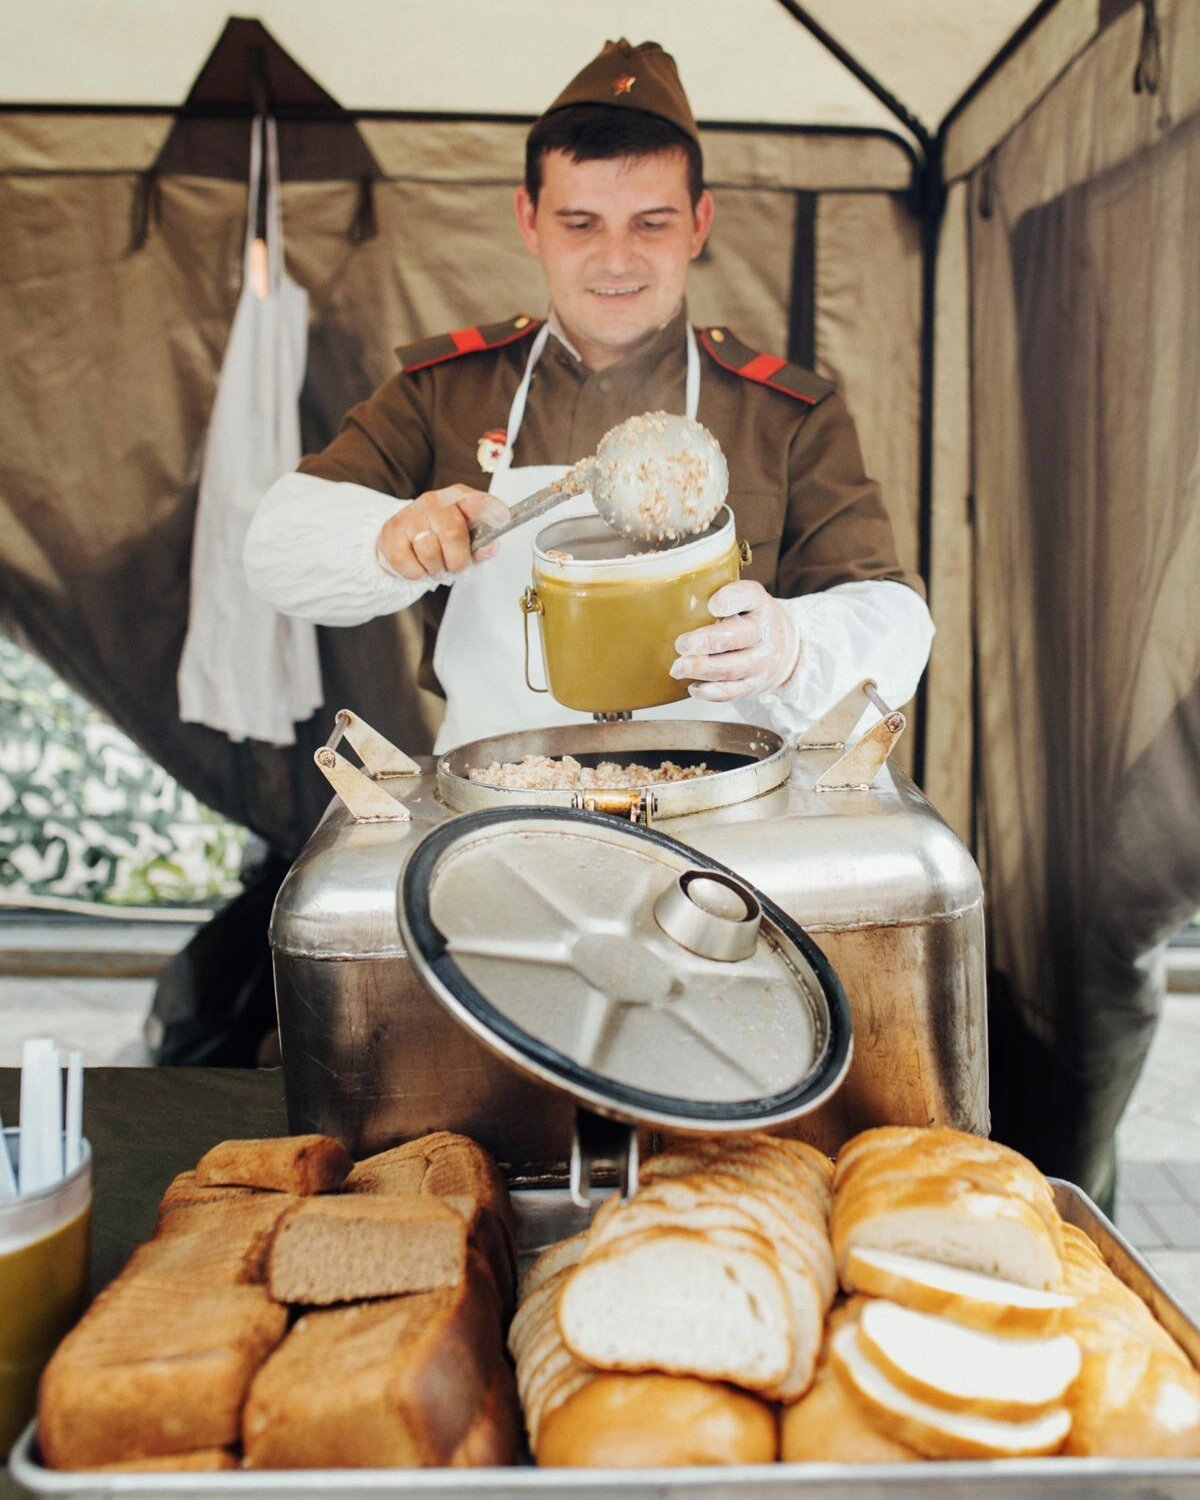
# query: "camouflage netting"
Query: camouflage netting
86,816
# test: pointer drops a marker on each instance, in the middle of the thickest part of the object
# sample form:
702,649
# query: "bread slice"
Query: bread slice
828,1424
205,1461
949,1220
964,1370
341,1249
969,1297
157,1366
447,1165
301,1164
493,1440
932,1430
633,1305
656,1421
396,1383
700,1202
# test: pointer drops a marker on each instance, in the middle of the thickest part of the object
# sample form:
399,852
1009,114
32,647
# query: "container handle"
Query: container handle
745,556
530,605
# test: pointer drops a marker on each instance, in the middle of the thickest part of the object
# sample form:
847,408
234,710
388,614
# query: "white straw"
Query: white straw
41,1115
74,1142
8,1183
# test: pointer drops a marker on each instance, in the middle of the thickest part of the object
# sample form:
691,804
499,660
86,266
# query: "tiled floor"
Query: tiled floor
1158,1193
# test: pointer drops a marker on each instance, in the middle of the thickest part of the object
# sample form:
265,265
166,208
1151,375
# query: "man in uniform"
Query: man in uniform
615,209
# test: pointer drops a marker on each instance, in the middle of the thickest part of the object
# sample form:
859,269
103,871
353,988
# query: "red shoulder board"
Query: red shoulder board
435,351
763,369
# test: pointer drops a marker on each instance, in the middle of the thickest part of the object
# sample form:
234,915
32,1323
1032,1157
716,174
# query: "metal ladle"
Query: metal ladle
654,477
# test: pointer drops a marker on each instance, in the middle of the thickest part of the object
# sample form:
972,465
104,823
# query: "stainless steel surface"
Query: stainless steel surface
536,928
753,761
883,887
710,915
601,1145
545,1217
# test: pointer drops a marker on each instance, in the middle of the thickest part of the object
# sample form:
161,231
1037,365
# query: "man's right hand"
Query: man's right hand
432,535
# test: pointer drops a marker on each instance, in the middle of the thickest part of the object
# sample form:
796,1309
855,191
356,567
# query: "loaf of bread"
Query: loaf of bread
300,1164
205,1461
223,1240
157,1366
653,1421
946,1196
1138,1395
184,1191
493,1439
396,1383
446,1165
328,1250
547,1371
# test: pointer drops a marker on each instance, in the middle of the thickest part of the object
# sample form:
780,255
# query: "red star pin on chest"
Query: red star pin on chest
490,449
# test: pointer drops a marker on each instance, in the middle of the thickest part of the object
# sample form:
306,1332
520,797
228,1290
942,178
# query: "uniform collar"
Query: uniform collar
668,341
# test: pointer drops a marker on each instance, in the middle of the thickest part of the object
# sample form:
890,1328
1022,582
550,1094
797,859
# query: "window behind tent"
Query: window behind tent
86,816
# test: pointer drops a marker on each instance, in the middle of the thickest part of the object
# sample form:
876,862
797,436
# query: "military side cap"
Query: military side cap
763,369
628,77
444,346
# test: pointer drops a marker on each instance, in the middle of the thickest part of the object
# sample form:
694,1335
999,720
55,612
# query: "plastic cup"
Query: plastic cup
45,1240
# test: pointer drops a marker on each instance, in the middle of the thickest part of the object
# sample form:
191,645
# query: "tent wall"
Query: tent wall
1085,382
114,353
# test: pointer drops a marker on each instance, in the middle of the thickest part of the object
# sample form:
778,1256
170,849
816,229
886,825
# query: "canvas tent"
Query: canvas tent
978,219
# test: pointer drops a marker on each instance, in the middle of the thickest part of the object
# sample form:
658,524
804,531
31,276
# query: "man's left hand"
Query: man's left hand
753,647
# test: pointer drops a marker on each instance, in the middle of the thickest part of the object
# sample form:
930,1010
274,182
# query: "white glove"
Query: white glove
753,647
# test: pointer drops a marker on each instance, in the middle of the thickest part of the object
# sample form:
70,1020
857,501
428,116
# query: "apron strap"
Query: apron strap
263,131
516,413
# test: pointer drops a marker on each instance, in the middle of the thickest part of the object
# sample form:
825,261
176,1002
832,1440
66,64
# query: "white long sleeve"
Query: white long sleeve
311,551
876,629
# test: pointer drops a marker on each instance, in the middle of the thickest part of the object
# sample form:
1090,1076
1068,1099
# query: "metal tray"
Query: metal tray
544,1216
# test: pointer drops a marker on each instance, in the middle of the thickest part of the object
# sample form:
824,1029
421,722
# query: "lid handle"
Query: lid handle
597,1141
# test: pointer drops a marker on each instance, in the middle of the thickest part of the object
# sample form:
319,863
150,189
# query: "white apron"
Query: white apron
480,653
247,670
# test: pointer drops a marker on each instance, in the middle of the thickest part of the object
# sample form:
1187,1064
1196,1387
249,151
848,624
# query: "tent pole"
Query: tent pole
868,80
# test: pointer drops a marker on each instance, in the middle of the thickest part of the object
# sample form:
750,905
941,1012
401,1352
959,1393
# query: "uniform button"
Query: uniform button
522,322
605,384
716,335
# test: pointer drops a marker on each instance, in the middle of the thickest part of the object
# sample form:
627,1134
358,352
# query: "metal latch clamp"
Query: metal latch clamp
360,790
856,767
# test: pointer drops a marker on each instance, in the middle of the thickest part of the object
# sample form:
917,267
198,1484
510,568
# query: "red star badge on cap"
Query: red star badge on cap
624,83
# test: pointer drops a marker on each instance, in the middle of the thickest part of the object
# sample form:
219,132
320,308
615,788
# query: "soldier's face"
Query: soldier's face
615,239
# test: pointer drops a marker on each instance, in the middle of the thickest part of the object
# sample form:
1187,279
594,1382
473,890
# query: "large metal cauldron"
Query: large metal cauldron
844,844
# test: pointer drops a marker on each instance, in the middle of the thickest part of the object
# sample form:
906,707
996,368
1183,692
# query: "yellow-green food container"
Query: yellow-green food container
609,609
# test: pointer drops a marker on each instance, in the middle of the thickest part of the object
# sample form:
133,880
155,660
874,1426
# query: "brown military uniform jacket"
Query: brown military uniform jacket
797,486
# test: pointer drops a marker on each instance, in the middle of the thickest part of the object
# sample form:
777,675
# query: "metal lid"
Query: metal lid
644,979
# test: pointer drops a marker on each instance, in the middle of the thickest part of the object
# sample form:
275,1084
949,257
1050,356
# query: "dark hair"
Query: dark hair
601,132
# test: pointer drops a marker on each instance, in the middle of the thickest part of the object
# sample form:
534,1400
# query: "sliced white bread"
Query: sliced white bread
969,1297
554,1258
953,1221
712,1305
964,1370
933,1431
695,1202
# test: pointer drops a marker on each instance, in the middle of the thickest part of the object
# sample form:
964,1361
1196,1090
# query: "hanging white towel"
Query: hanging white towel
247,670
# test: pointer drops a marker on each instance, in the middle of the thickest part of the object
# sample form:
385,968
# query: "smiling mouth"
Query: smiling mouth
613,293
